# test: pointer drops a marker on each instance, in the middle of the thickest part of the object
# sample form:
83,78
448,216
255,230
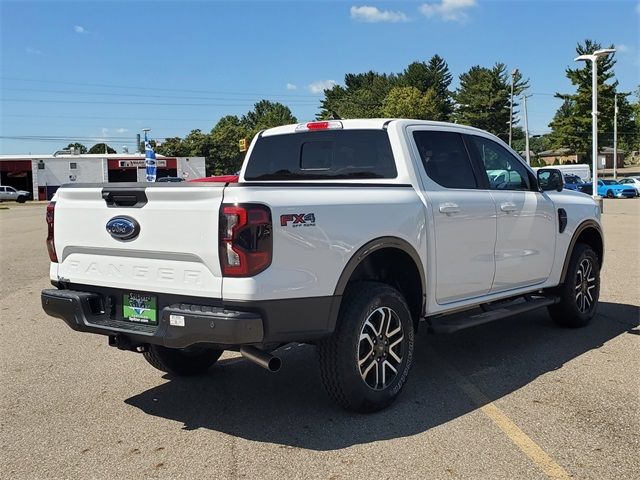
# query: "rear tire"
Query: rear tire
581,289
181,362
365,362
609,194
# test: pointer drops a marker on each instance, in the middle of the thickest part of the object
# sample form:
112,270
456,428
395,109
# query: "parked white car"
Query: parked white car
11,194
631,181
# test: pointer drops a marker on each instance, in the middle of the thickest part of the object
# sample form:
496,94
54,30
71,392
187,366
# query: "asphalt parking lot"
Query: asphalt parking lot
515,399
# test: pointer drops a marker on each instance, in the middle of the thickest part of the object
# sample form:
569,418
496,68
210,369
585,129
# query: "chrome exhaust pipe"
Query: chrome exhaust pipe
261,358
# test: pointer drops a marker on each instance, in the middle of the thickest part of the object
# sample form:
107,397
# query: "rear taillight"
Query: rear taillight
245,242
51,208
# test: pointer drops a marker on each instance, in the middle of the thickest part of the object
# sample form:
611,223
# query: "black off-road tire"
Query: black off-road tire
340,353
181,362
578,296
21,199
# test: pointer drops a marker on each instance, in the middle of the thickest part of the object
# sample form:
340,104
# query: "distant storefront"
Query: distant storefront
564,155
43,174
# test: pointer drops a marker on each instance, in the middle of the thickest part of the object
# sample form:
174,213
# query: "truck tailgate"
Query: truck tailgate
176,250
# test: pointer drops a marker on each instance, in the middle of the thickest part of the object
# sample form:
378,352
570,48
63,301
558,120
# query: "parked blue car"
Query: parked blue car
573,182
609,189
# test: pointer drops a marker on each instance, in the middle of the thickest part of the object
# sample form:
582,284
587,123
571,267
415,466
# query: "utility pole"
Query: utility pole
615,135
526,129
513,79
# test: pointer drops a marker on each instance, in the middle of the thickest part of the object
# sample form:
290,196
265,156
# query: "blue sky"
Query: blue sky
92,70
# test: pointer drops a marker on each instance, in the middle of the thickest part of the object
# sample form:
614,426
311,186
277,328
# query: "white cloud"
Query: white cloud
622,48
122,130
104,131
448,10
369,14
33,51
320,86
638,8
80,29
291,86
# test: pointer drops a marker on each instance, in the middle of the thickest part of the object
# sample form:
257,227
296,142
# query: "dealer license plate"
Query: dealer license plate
140,308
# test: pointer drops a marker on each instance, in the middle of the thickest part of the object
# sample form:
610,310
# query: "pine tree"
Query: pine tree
483,98
571,125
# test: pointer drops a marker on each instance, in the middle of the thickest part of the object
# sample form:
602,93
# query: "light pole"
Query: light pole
615,136
513,79
593,58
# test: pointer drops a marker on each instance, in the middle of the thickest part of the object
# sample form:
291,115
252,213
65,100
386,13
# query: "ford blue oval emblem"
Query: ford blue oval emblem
123,228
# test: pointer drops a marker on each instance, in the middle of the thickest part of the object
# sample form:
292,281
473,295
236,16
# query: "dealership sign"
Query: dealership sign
140,163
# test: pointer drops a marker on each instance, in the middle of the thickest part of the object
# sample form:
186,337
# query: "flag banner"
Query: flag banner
149,160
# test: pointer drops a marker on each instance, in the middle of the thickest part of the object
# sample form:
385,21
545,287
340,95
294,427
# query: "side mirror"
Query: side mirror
550,179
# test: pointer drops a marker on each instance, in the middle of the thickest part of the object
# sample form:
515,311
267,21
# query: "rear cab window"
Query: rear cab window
322,155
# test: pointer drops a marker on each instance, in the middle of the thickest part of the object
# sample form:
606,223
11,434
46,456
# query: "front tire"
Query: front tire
609,194
181,362
581,290
365,362
21,199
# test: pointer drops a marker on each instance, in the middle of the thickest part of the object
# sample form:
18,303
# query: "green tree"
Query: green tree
266,114
409,102
225,155
440,80
416,75
571,125
198,144
483,98
77,146
362,96
101,148
635,106
173,147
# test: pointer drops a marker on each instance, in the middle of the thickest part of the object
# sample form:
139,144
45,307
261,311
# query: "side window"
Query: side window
445,158
505,172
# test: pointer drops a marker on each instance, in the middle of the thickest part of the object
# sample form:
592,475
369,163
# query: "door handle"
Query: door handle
449,208
508,207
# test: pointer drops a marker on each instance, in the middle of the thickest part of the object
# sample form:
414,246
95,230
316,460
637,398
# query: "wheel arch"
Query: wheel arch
393,261
588,232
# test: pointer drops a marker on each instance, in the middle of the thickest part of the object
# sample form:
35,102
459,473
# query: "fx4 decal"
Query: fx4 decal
298,220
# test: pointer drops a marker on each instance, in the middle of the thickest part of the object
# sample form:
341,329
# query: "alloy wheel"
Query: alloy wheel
585,284
380,348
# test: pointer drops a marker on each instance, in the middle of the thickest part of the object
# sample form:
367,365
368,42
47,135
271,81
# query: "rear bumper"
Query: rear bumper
185,321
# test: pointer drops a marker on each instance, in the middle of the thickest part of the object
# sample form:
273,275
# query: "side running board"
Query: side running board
490,312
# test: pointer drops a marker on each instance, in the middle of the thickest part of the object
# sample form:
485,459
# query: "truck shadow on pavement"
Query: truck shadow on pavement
291,409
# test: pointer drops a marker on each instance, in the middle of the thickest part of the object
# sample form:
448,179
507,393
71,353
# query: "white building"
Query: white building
43,174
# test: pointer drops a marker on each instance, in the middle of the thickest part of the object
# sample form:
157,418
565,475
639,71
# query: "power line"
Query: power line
102,85
151,104
101,117
140,95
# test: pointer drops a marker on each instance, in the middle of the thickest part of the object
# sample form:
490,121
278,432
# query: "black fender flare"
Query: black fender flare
574,239
373,246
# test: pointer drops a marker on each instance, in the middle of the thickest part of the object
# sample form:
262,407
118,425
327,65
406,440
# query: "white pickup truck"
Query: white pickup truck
343,234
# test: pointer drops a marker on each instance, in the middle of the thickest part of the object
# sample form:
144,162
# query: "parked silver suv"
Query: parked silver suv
10,193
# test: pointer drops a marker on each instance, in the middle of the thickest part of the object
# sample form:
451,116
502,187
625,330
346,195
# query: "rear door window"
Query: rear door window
445,158
331,154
